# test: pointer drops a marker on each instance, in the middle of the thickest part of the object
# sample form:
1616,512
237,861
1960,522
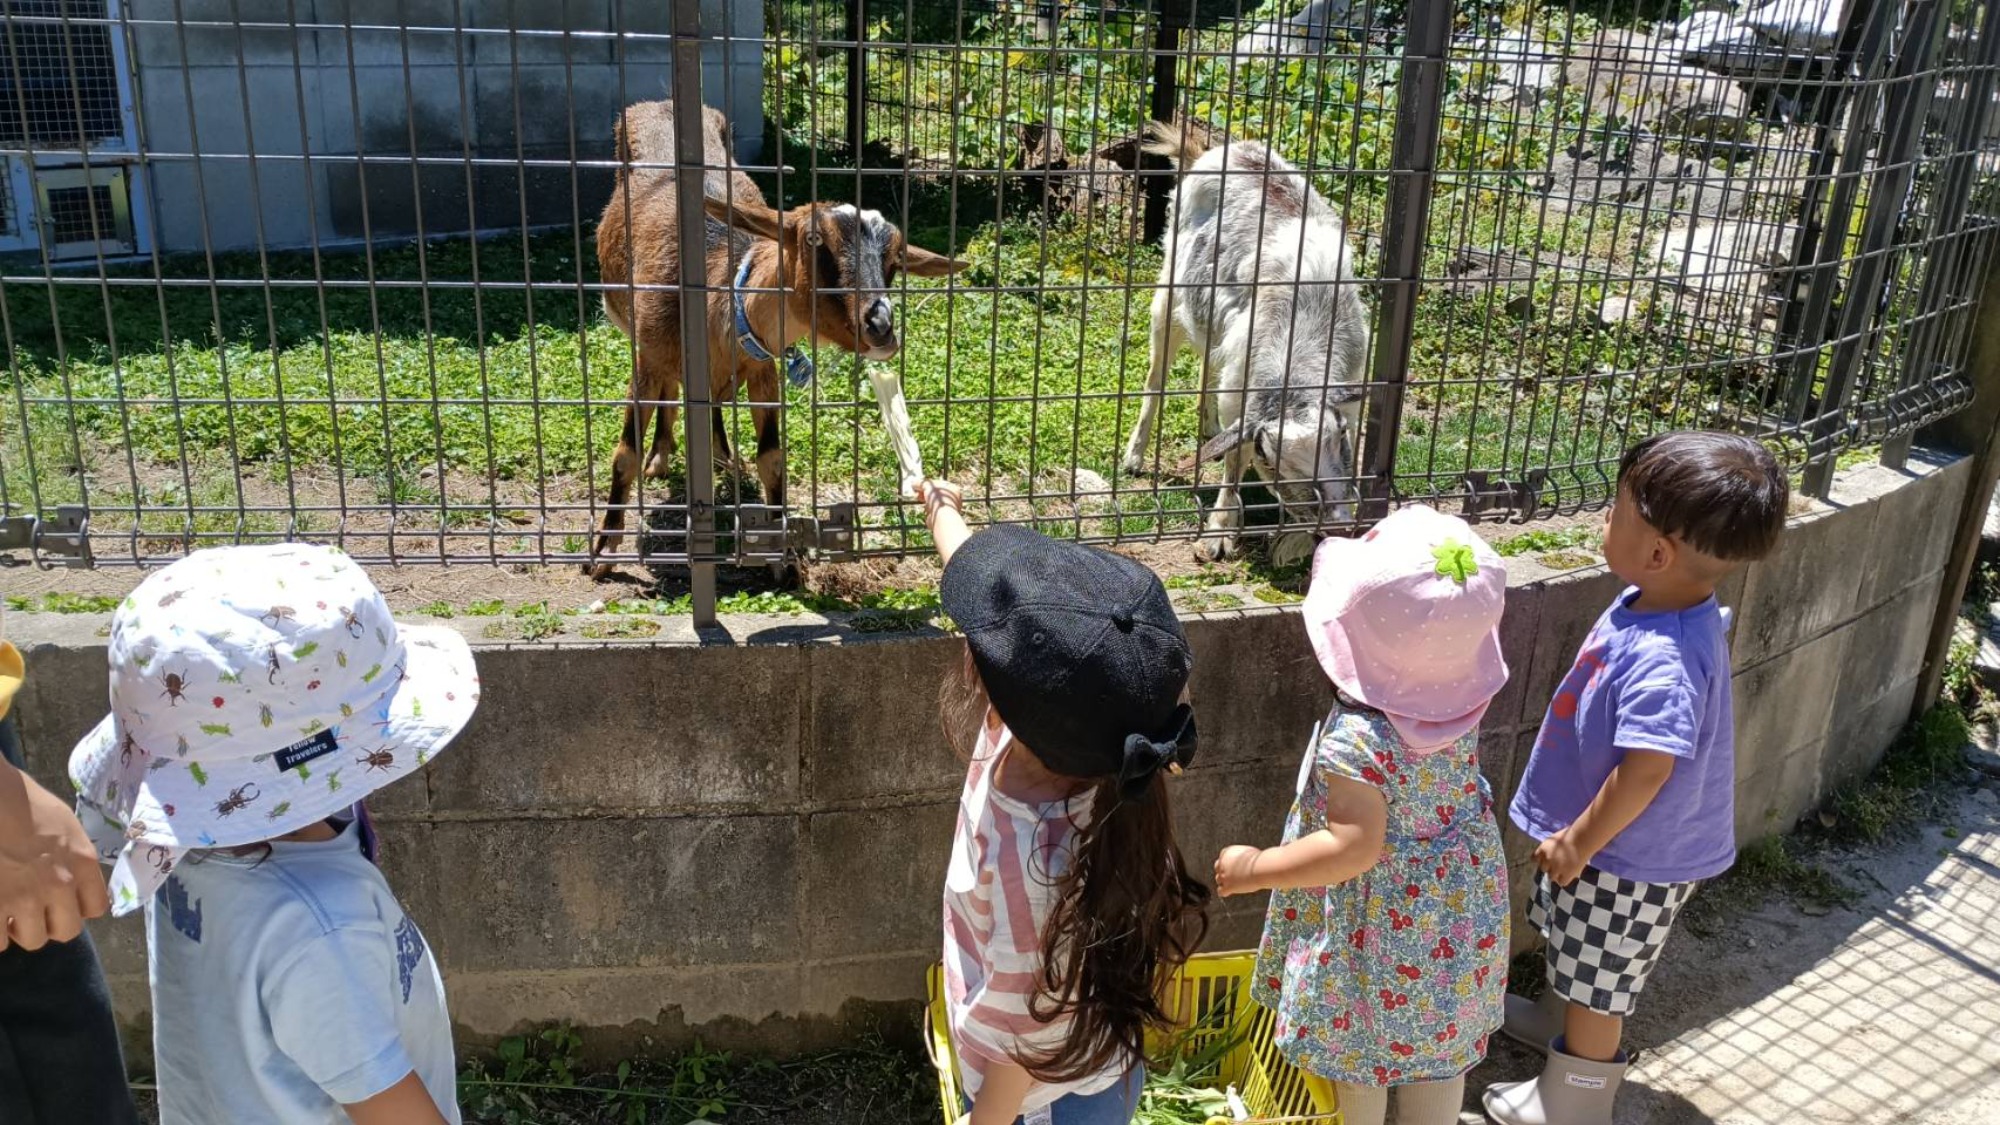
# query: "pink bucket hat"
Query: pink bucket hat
1406,619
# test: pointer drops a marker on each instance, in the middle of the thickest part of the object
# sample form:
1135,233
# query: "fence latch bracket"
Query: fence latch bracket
762,532
66,537
1521,498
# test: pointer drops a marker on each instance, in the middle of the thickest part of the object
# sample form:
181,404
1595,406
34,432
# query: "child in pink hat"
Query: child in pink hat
1384,953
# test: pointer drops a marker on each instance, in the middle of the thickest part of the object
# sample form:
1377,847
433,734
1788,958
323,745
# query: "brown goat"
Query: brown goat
818,272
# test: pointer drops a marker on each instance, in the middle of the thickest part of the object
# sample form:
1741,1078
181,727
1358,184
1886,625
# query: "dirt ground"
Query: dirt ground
420,583
1886,1011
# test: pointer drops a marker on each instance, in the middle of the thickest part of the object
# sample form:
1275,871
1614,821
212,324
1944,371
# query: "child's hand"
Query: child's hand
944,515
1560,858
1232,870
936,496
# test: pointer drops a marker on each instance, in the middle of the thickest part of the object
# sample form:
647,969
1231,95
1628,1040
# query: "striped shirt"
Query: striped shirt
1006,858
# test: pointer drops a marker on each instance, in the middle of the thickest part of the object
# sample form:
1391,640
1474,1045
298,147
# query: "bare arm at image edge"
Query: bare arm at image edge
408,1102
50,880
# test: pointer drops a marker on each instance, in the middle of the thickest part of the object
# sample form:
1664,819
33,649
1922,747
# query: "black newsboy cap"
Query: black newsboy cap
1079,650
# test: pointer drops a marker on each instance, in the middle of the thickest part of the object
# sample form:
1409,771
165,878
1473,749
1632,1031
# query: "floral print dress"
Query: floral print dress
1396,975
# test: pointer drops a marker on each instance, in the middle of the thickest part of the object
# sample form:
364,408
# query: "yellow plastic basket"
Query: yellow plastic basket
1209,1000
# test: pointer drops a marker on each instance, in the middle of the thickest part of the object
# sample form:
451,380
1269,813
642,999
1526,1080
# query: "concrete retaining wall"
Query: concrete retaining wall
653,838
336,111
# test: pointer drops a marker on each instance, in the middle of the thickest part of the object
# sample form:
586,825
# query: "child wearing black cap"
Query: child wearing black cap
1067,903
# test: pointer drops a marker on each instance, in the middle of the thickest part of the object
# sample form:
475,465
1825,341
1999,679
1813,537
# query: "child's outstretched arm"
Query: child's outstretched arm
1356,823
1633,784
944,515
405,1103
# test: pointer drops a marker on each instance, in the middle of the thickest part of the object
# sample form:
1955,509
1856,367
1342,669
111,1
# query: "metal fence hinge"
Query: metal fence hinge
1521,499
66,537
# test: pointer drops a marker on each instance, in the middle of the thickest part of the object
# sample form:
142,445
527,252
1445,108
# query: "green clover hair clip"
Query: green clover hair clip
1455,560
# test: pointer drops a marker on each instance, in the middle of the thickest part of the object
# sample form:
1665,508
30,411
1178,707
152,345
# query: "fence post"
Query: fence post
1945,266
1976,429
1166,72
857,79
1907,105
690,183
1873,45
1413,173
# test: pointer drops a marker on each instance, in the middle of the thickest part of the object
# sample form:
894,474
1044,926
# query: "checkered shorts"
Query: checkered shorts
1605,934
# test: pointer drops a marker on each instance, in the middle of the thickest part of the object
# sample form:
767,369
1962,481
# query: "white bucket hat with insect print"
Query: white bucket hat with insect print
254,691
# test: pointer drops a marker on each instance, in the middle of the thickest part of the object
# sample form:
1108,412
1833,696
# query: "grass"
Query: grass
1542,540
1916,781
62,603
543,1079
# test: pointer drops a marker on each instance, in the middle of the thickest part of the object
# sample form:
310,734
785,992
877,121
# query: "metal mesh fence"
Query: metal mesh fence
337,270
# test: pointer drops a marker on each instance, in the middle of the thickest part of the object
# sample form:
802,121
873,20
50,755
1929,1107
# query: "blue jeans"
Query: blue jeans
1114,1106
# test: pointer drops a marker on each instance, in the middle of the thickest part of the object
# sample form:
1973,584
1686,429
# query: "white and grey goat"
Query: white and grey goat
1258,278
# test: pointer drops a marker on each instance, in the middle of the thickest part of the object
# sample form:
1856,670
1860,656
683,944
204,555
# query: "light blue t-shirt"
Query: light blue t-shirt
1643,681
287,986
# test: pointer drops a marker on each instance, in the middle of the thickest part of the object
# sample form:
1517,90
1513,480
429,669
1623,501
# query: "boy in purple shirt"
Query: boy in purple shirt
1630,789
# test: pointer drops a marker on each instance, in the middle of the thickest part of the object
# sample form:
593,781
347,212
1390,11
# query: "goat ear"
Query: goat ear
1223,443
925,263
746,215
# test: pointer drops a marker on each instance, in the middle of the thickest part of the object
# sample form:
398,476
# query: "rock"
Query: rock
1616,310
1623,74
1813,25
1987,660
1723,255
1084,483
1308,33
1513,67
1521,306
1985,759
1474,274
1705,31
1722,270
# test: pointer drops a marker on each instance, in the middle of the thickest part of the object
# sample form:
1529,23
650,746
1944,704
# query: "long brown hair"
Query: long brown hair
1127,913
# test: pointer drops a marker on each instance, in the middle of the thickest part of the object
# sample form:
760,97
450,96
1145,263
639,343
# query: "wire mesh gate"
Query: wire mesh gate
330,272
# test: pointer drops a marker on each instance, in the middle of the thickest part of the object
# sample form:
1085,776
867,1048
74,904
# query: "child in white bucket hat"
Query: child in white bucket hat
1384,953
257,695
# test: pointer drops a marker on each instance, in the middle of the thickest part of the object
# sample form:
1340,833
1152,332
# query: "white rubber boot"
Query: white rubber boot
1571,1091
1532,1023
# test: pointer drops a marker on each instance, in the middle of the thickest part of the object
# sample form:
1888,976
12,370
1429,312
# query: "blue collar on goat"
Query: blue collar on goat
798,365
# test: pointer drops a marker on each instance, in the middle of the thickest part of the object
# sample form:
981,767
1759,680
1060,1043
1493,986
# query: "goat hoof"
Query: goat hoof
1214,550
657,469
1291,548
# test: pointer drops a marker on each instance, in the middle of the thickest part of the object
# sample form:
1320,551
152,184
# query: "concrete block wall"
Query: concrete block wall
654,839
338,110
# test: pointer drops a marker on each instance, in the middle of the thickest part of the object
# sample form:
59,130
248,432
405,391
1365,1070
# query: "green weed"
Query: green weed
1540,540
1774,866
1205,601
537,622
620,629
62,603
537,1079
1566,560
1905,789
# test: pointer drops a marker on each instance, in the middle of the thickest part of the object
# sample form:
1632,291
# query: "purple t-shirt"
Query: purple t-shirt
1643,681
